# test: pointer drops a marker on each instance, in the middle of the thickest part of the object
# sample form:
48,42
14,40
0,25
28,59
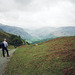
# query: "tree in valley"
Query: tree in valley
16,40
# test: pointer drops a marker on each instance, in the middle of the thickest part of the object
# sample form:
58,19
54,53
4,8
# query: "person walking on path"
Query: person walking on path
4,47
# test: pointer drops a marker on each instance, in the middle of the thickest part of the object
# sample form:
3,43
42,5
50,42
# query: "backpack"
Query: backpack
1,45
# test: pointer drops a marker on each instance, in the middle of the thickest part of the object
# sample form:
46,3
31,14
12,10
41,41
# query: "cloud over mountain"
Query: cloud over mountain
37,13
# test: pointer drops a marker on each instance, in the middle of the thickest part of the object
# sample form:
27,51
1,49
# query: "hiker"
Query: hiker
4,47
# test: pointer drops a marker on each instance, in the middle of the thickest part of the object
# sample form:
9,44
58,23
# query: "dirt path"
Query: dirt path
4,60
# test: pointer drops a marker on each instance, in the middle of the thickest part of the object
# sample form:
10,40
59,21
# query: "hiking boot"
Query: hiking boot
3,56
8,56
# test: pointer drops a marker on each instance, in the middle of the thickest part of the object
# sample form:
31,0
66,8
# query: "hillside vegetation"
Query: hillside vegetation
4,35
16,31
12,39
54,57
39,34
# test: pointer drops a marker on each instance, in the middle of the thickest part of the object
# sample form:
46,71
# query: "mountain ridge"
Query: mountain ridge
49,32
33,35
16,30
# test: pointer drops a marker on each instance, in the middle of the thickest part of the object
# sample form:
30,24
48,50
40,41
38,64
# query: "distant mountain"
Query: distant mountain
41,33
47,33
53,32
16,30
1,29
63,31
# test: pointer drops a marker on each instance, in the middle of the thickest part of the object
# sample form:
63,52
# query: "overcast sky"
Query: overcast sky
37,13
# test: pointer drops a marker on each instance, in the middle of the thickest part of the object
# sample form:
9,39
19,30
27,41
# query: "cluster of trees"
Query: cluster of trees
12,39
17,41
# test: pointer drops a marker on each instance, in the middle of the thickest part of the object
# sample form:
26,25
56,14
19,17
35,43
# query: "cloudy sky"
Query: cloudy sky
37,13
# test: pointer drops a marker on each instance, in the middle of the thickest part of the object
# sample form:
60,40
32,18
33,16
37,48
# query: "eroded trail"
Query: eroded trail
4,60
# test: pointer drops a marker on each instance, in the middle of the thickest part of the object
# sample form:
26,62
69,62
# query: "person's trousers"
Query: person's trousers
3,49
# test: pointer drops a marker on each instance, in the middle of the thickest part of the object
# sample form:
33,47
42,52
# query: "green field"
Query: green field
53,57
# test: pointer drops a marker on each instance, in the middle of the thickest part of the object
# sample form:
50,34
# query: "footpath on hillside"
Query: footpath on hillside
4,60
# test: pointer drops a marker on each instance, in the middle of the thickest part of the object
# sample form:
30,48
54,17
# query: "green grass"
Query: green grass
54,57
4,35
10,47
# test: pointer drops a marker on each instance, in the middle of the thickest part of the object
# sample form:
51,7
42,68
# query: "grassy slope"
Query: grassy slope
7,36
4,35
54,57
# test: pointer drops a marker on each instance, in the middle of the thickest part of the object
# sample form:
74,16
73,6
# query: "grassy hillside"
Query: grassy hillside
12,39
54,57
4,35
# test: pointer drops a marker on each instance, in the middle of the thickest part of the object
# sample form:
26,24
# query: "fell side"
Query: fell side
53,57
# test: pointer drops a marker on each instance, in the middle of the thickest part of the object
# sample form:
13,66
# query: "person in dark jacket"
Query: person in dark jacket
4,47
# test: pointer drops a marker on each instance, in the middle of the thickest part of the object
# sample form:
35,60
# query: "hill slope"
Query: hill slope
4,35
16,30
54,57
12,39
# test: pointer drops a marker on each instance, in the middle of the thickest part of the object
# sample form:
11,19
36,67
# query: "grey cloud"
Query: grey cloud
26,5
25,2
73,1
35,5
7,5
37,11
